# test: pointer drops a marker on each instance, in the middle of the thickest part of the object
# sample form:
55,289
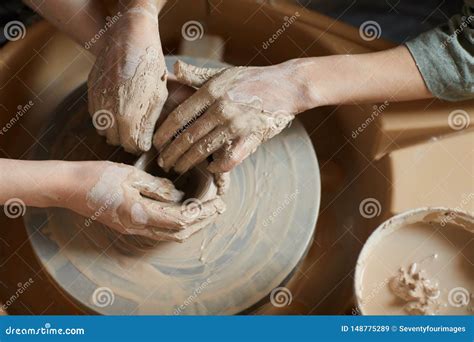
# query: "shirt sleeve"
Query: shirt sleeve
445,56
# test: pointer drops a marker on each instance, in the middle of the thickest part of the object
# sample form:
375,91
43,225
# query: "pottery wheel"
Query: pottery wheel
227,268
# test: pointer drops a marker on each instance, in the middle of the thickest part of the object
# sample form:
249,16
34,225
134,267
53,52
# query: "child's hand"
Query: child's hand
134,202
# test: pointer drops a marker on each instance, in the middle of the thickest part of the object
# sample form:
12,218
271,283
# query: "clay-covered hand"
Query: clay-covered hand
230,115
127,84
132,201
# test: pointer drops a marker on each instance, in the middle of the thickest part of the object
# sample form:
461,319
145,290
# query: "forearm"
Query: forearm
36,183
389,75
85,20
80,19
141,17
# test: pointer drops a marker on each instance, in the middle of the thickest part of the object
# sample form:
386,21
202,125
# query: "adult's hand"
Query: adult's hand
127,84
229,116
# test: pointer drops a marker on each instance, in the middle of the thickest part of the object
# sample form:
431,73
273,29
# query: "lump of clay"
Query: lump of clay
199,186
419,293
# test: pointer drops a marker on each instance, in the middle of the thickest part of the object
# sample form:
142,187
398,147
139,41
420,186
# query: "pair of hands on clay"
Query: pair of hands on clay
127,91
128,83
236,109
232,112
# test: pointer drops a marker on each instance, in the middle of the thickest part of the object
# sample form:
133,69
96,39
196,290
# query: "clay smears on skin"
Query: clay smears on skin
134,203
100,196
159,279
128,81
228,111
209,188
123,267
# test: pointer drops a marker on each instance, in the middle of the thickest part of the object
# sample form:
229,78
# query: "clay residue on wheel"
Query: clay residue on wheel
160,280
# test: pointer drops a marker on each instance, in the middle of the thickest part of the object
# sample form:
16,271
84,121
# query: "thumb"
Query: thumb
192,75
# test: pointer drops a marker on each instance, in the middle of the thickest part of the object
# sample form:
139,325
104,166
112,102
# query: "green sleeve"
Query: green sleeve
445,56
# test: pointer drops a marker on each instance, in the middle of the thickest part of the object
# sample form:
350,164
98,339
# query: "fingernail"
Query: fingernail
179,169
177,195
171,195
160,162
212,168
145,145
220,205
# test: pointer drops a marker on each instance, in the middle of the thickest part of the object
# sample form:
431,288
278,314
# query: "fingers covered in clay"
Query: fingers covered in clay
178,222
133,202
202,149
231,108
197,220
192,75
127,84
179,118
178,93
228,158
160,189
183,141
222,181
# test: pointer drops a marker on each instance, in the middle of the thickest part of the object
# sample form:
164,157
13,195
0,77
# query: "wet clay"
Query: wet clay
420,293
420,268
232,263
127,84
194,76
197,187
234,119
249,250
139,95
